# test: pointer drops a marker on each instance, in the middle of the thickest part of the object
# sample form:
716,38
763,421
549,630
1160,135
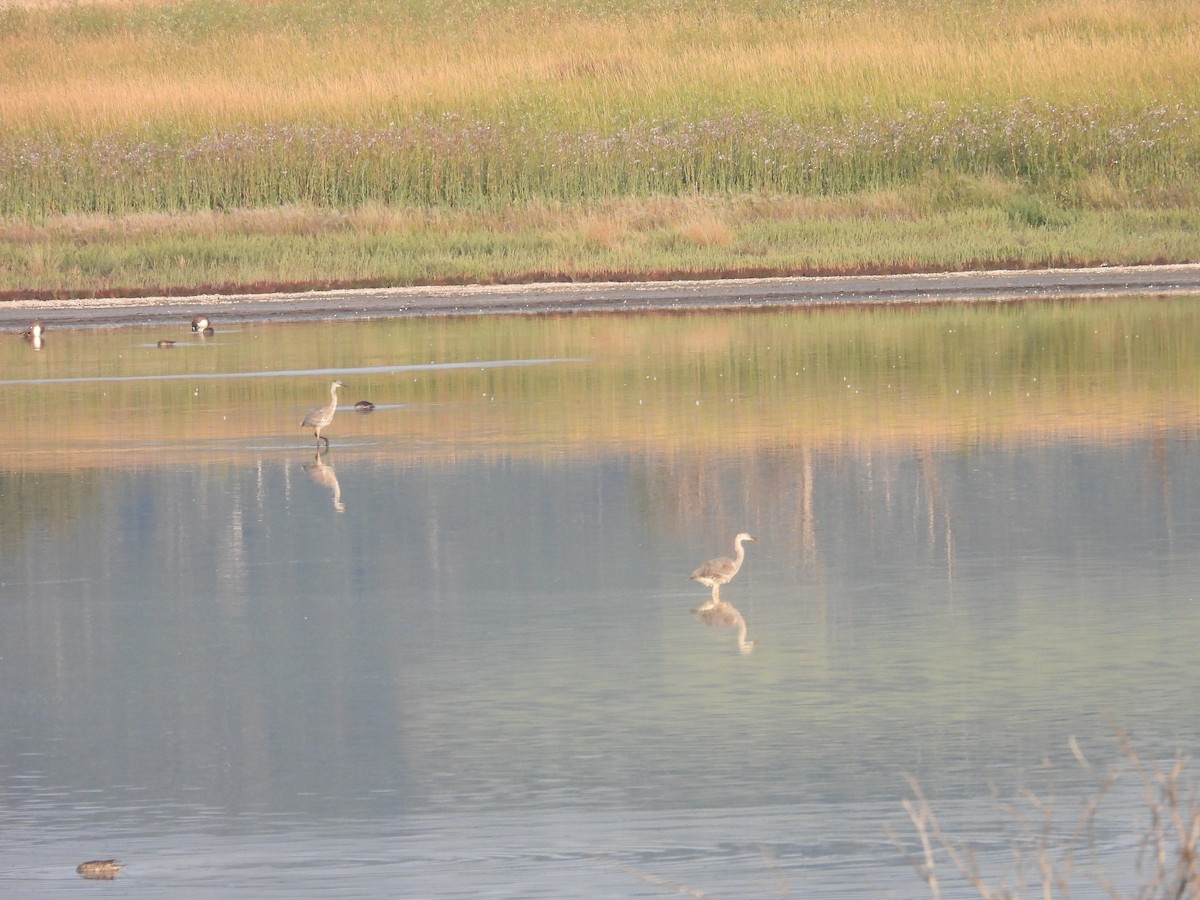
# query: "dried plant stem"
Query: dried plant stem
1169,860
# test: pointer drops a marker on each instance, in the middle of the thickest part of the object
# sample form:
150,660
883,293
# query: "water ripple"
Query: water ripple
289,373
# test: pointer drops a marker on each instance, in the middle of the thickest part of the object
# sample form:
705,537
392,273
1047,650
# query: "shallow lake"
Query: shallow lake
457,655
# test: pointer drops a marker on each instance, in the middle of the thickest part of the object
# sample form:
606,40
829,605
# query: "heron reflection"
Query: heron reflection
323,474
33,335
321,416
719,614
721,570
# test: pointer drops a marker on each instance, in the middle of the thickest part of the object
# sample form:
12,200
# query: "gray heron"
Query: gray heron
321,416
719,571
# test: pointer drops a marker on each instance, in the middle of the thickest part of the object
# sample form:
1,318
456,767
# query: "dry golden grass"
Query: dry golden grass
602,232
704,221
812,60
707,232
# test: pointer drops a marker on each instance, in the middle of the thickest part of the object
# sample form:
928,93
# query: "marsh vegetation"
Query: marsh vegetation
224,141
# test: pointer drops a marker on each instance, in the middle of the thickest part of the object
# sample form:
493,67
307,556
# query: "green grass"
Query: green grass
450,160
652,237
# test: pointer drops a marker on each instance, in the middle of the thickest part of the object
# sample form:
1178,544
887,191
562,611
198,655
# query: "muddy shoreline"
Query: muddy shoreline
664,296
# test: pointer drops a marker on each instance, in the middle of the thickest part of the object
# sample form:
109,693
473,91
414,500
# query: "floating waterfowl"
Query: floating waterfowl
166,345
321,416
201,324
33,335
721,570
364,406
99,869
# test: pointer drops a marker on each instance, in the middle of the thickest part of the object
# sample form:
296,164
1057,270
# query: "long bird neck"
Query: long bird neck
333,388
739,554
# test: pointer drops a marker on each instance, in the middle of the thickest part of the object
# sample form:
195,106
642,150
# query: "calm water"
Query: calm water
457,655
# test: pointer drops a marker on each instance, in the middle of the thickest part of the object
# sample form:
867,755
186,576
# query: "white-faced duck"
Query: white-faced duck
33,334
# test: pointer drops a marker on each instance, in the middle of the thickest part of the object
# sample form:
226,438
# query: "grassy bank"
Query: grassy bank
209,142
660,237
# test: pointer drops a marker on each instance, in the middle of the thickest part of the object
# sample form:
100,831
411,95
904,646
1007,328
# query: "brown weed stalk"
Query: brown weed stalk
1052,858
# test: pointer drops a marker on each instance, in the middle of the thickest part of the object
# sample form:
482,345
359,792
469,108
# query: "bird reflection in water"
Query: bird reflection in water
324,475
719,614
33,335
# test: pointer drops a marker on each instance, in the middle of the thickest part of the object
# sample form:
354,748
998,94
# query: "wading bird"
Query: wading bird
321,416
719,571
201,324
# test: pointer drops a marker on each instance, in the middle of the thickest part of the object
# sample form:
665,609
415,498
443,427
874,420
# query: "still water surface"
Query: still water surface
457,654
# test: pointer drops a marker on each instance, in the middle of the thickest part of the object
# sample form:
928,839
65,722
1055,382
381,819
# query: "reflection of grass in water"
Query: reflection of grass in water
905,377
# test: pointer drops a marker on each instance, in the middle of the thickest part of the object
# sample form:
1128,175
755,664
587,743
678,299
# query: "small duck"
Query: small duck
202,325
34,335
364,406
99,869
166,345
